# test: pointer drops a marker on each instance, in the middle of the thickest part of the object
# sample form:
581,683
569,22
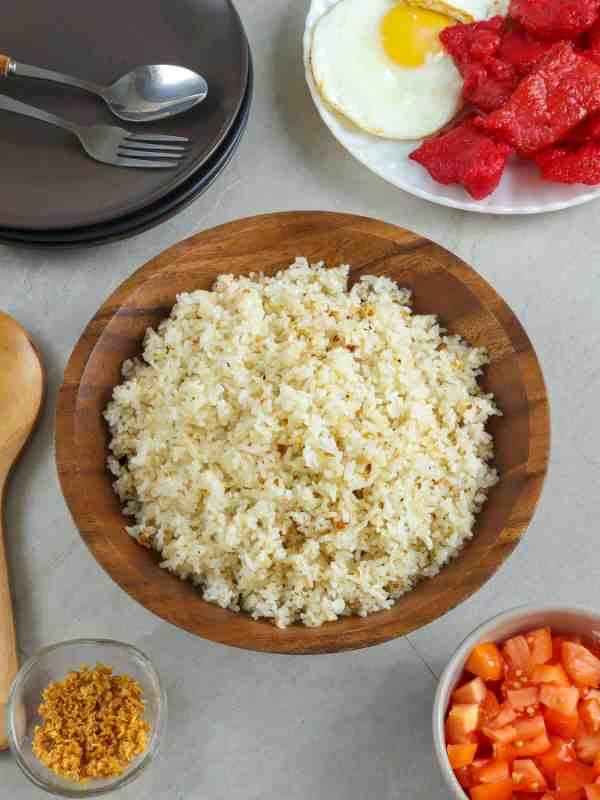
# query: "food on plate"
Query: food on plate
301,450
488,81
524,720
93,725
587,131
561,91
555,19
534,79
521,50
592,42
464,10
571,165
381,65
465,155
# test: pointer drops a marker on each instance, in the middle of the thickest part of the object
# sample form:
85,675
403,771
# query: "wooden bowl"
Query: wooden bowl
441,285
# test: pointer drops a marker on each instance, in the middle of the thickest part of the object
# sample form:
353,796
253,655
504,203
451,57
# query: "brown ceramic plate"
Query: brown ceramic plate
48,182
441,285
155,214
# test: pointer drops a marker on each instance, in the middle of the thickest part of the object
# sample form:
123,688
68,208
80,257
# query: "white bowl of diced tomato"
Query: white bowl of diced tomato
517,710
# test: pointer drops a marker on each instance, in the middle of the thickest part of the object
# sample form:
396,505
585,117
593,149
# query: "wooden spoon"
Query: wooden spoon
21,392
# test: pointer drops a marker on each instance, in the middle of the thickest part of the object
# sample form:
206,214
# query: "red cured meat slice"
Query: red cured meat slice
555,19
464,155
562,165
560,93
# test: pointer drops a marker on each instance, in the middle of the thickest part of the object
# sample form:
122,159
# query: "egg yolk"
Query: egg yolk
410,35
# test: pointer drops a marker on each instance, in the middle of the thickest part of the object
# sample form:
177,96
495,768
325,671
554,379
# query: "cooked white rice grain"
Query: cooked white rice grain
298,450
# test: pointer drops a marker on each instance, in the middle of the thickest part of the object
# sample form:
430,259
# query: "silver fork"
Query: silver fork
110,144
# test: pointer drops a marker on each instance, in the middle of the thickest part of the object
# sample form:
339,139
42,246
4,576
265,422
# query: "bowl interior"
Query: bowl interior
53,664
441,285
567,620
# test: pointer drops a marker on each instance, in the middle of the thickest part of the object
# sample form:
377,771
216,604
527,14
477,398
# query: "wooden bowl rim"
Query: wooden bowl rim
299,639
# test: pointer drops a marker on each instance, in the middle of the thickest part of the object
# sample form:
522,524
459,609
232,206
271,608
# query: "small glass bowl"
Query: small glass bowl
53,664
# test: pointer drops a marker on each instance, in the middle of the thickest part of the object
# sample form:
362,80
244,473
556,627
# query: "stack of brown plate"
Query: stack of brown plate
55,195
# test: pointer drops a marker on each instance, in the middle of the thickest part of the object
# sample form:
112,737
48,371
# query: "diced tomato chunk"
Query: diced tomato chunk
564,725
557,643
540,645
560,753
527,795
597,764
530,727
462,721
581,665
493,771
505,716
504,752
504,735
587,746
472,692
524,698
579,795
592,792
589,711
518,655
490,708
550,673
593,642
456,735
533,747
527,777
465,777
461,755
493,791
573,777
560,698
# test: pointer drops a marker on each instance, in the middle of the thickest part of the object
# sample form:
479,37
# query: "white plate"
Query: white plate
521,190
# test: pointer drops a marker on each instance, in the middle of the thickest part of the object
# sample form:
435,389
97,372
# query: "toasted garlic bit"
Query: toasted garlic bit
93,726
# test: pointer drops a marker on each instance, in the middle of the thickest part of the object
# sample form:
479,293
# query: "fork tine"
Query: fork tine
155,137
145,146
144,163
157,153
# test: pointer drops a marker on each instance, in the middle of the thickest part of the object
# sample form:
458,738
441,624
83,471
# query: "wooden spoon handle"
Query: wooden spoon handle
8,643
4,65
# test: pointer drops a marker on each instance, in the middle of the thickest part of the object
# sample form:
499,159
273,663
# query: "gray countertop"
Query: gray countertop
245,726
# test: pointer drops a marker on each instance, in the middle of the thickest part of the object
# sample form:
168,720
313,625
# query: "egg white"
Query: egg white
465,10
355,75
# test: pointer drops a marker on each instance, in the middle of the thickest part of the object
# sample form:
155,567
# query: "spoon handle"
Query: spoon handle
9,66
8,642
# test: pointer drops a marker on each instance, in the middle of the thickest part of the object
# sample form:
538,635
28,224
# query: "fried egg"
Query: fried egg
381,64
464,10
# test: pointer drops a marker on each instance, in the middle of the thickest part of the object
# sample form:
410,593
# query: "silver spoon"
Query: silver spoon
146,93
